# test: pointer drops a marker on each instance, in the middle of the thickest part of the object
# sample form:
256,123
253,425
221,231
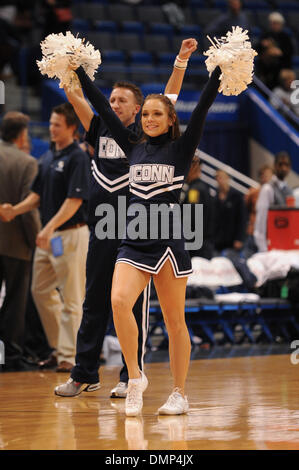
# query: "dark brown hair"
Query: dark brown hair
12,125
282,156
67,110
133,88
175,128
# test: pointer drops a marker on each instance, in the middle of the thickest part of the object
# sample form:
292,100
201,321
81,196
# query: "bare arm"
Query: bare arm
66,211
81,106
175,81
31,202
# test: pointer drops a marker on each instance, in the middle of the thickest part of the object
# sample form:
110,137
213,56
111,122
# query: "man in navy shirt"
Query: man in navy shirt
60,189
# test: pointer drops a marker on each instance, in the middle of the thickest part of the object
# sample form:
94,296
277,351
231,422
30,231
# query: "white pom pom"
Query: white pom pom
234,55
62,53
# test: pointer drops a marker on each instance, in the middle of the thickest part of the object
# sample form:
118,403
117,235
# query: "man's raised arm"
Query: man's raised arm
81,106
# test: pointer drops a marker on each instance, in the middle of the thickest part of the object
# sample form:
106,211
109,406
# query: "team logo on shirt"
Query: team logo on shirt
108,148
60,166
154,173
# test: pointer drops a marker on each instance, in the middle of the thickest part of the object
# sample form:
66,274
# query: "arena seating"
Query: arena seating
145,27
209,317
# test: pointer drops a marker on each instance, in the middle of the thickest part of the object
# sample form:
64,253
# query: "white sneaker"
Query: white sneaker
175,405
120,391
134,401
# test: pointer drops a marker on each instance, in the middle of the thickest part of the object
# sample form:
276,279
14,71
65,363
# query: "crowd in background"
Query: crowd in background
230,220
26,23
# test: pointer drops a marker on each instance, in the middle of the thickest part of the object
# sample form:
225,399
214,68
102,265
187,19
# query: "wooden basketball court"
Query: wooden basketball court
235,403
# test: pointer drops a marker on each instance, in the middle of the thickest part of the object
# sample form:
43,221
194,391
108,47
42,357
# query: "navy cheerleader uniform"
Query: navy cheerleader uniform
109,179
158,168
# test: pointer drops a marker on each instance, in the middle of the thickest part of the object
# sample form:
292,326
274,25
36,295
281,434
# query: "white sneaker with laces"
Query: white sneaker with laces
134,401
119,391
175,405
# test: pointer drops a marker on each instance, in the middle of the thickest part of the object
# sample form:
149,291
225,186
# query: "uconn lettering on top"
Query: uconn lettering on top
108,148
153,173
156,222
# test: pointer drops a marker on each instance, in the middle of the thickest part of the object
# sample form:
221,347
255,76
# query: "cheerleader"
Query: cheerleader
167,156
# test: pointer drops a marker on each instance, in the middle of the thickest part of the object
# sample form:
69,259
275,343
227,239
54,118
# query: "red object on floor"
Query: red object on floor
283,228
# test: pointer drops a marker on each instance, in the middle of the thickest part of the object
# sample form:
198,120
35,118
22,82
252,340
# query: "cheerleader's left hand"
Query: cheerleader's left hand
187,48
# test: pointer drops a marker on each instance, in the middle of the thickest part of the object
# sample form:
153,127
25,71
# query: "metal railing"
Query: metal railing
238,181
287,112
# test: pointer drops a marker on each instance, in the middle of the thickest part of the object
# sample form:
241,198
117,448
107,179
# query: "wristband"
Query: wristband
180,64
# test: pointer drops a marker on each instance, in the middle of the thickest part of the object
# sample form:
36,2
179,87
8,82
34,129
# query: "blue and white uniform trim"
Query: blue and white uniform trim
168,254
111,185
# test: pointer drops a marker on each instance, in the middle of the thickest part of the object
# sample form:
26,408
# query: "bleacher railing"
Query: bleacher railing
210,165
293,119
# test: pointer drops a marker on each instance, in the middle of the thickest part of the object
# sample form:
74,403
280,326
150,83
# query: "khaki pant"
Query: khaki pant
58,289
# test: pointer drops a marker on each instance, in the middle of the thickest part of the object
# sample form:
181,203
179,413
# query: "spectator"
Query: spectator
230,216
283,93
57,16
195,191
9,46
58,281
275,51
234,17
273,193
265,174
17,238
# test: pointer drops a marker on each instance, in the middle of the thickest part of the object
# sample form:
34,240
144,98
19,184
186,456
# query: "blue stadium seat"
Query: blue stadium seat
166,58
80,25
113,57
190,30
152,87
132,27
142,73
295,61
197,60
39,147
256,31
112,73
161,28
141,57
105,26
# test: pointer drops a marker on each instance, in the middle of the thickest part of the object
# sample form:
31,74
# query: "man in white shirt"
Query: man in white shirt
274,193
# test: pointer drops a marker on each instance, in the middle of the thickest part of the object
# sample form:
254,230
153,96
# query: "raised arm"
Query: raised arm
175,81
120,133
81,107
192,135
